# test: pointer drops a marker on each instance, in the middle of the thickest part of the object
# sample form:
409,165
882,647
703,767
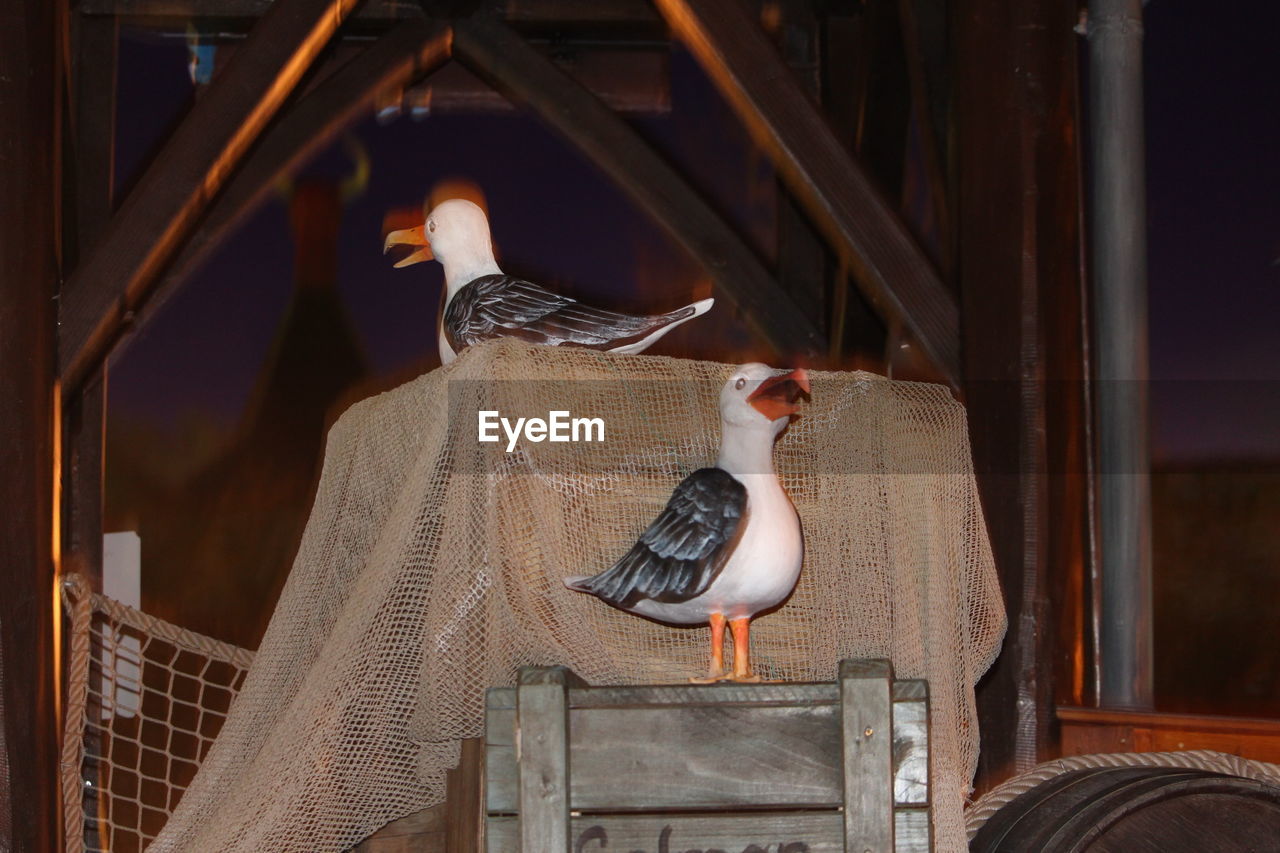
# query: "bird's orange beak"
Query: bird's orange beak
406,236
776,397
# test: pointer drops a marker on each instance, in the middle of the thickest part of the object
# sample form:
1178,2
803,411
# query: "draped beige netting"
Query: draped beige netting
431,569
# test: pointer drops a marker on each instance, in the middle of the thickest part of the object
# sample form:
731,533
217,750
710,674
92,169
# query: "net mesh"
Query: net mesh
145,701
431,569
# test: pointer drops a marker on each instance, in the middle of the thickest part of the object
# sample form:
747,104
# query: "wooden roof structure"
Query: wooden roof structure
1001,318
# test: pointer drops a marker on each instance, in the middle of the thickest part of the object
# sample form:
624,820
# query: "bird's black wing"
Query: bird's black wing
683,550
502,306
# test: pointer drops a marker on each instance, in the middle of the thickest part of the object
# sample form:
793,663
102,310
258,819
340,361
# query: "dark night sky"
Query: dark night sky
1213,137
554,216
1213,169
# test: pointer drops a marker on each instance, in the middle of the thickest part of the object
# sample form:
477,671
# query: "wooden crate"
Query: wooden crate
782,768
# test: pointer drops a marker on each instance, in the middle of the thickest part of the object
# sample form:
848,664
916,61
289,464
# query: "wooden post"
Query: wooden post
1017,215
99,298
92,140
542,726
857,221
29,157
866,708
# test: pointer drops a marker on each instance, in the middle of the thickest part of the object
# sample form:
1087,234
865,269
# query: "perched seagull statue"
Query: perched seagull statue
482,302
728,544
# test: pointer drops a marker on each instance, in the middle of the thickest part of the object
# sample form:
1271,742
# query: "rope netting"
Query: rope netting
432,567
145,700
1194,759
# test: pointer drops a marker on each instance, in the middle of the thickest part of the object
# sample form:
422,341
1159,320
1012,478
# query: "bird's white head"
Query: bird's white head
455,233
756,395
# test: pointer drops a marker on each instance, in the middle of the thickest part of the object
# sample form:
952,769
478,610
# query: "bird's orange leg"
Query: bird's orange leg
716,672
742,650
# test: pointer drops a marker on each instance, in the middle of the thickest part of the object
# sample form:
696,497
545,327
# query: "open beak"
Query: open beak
776,397
409,237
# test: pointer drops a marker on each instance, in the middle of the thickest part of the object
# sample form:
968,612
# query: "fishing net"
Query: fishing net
145,700
431,569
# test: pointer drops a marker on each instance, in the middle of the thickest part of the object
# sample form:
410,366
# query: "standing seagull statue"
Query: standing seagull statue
728,544
482,302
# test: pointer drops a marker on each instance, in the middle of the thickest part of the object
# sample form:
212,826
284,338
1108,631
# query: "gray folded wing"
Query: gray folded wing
503,306
683,550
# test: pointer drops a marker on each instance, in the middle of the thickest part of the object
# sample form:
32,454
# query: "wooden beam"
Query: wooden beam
412,49
860,225
178,186
30,106
1017,217
532,13
182,11
92,142
499,55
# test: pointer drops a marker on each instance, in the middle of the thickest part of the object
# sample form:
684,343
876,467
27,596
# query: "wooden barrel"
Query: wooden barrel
1135,809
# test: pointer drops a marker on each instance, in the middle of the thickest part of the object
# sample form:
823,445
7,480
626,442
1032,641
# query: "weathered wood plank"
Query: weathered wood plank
502,57
421,832
910,752
411,50
750,752
706,756
542,742
776,832
181,181
701,756
689,695
859,224
465,799
912,831
867,753
657,732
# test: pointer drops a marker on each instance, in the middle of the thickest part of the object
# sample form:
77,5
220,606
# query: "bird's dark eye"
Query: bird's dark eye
740,384
431,225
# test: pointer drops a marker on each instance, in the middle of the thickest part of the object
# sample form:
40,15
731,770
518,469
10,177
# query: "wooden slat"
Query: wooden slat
497,54
424,831
911,752
912,831
776,832
183,178
542,713
406,53
659,742
746,752
706,757
465,799
867,755
896,276
693,695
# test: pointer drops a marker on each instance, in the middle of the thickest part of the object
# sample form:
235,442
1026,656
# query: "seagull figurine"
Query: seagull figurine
482,302
728,544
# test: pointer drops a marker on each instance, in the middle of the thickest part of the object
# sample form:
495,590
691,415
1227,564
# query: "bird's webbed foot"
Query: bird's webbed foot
711,678
749,678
